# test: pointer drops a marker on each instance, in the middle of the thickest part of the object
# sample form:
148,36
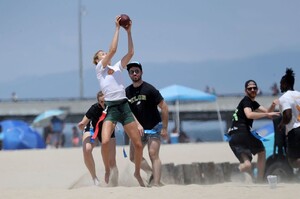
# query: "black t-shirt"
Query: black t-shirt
94,114
143,102
239,118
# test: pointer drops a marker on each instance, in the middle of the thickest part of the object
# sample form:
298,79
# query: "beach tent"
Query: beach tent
17,134
177,93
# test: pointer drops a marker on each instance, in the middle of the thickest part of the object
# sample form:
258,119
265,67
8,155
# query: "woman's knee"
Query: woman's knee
105,142
137,145
106,136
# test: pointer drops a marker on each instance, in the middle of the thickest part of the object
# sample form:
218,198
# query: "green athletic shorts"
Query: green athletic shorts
119,111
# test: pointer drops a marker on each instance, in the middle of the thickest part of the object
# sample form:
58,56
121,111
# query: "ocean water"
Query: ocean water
197,131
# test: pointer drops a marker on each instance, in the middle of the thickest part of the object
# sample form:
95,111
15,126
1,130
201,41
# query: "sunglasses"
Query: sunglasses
136,71
252,88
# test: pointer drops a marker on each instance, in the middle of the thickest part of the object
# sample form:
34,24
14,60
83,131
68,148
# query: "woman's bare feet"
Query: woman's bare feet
114,177
106,177
96,181
139,179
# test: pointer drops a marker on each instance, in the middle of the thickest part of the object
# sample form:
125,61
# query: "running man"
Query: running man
242,142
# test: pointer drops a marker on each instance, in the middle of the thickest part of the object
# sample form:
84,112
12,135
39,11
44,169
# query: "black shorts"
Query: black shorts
293,143
243,142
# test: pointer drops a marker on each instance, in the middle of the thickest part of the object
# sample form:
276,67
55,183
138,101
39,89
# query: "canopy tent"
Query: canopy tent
18,134
178,93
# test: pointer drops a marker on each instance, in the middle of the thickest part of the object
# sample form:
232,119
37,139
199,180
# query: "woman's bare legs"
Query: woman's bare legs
87,148
107,130
112,162
133,133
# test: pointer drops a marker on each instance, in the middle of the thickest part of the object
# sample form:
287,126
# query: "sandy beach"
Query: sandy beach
61,173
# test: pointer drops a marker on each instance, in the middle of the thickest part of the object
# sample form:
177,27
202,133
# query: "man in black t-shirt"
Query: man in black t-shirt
144,100
88,125
242,142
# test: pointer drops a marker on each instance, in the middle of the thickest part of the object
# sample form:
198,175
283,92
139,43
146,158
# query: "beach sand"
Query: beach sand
61,173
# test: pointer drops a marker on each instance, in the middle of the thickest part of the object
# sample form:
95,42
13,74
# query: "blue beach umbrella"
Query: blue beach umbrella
177,93
44,118
18,134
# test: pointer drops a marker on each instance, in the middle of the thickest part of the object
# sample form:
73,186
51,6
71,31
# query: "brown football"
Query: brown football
125,20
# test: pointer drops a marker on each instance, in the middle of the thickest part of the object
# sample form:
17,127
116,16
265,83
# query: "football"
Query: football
124,21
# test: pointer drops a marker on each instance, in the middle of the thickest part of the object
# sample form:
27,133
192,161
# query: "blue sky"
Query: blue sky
40,37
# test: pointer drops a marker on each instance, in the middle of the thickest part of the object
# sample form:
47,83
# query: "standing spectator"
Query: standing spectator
289,105
183,137
47,133
144,102
62,140
275,90
178,137
174,136
242,142
1,137
213,91
75,136
111,83
14,97
207,89
57,126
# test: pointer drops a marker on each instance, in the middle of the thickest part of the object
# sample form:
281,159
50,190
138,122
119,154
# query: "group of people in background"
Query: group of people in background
136,108
55,137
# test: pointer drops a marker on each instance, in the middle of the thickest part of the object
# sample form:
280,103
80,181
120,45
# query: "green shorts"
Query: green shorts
119,111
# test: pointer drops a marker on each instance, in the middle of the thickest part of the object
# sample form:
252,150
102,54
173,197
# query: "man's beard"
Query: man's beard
136,79
251,95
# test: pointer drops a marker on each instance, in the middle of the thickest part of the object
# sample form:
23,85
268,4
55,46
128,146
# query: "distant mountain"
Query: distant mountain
225,76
